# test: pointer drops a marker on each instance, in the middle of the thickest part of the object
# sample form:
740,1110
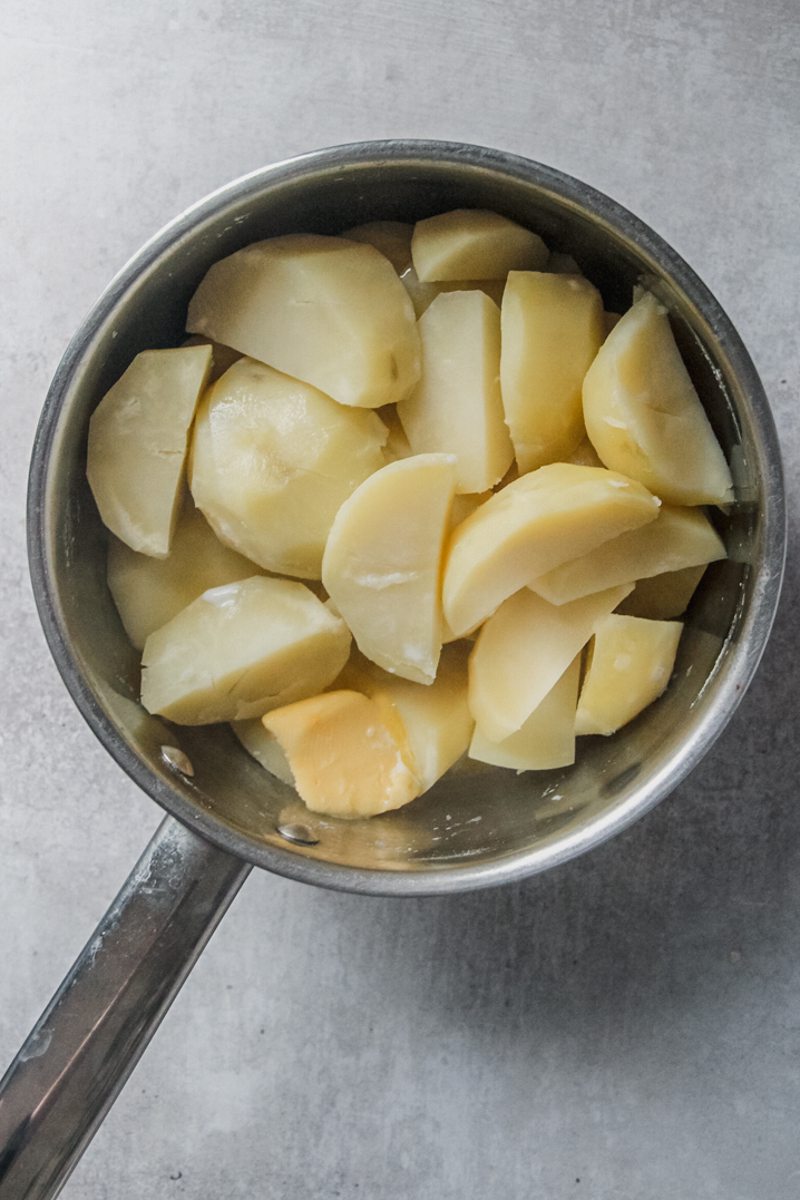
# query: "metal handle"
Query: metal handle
86,1043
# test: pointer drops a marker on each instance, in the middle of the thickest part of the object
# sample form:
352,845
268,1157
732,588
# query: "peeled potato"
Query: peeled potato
663,596
264,748
456,407
148,592
138,436
272,461
552,329
644,416
241,649
391,238
523,650
347,754
629,666
328,311
530,527
678,538
544,741
382,563
422,295
473,244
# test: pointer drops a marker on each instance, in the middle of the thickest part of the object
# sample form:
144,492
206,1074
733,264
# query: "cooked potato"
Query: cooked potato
523,650
272,461
678,538
422,295
644,416
138,436
663,597
148,592
328,311
382,563
456,407
552,329
240,650
530,527
347,753
391,238
630,662
470,243
264,748
544,741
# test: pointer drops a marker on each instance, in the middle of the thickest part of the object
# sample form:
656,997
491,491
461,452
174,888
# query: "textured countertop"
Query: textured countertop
626,1027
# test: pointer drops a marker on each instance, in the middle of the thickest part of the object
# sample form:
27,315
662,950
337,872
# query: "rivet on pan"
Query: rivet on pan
300,834
176,759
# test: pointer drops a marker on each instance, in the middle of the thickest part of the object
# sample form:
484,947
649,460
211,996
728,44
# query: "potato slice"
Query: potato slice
382,563
678,538
272,461
523,650
330,312
456,407
530,527
644,416
264,748
544,741
473,244
138,436
241,649
663,597
148,592
629,666
552,329
347,754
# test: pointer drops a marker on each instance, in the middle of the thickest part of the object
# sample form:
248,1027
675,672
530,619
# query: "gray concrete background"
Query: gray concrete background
626,1027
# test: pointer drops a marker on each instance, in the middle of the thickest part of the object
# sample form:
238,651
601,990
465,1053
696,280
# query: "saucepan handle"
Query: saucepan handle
86,1043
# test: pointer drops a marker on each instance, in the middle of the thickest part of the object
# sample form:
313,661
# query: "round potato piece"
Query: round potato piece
272,461
630,662
471,243
240,650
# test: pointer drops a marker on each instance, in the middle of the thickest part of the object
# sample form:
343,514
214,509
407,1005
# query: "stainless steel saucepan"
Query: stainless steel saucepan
224,814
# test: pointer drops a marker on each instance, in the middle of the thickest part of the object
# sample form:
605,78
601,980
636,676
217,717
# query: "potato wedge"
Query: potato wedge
241,649
272,461
328,311
382,563
471,243
264,748
630,663
544,741
644,416
138,436
456,407
663,597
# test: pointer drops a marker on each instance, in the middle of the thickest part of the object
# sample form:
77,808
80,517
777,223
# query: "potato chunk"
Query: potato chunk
663,597
644,416
272,461
138,436
470,243
382,563
456,407
240,650
330,312
523,650
630,663
678,538
544,741
347,756
552,329
264,748
148,592
530,527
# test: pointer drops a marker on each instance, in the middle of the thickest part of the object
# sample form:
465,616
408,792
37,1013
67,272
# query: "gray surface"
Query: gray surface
630,1021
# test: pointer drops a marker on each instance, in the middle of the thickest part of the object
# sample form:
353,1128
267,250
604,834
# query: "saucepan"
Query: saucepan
224,813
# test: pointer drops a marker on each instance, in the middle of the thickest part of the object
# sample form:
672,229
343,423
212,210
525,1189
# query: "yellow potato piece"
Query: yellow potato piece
663,596
678,538
328,311
264,748
543,742
346,757
552,329
473,244
241,649
422,295
456,407
382,563
629,666
138,437
644,416
272,461
148,592
391,238
523,650
530,527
